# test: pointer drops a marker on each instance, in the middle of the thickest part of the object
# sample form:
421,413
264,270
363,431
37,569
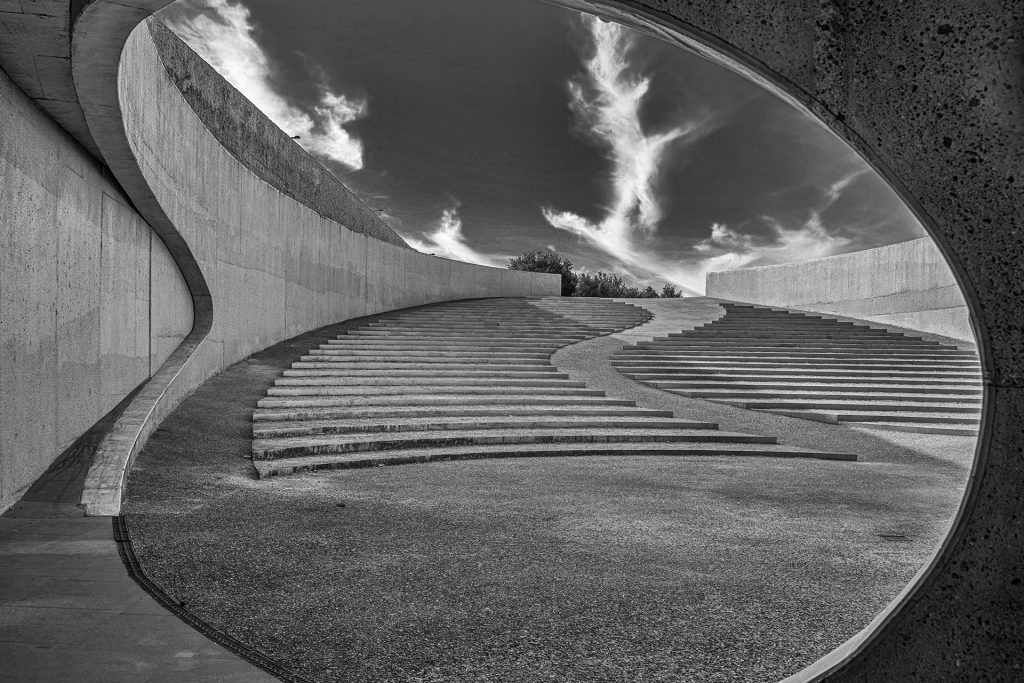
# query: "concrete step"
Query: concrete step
710,380
795,334
284,466
438,400
804,353
498,347
826,395
962,408
793,358
464,334
418,356
413,376
266,449
949,429
801,349
266,429
459,326
717,388
450,343
778,363
899,416
435,381
440,390
369,363
485,412
796,373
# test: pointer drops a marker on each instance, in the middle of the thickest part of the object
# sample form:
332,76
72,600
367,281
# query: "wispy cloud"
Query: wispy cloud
606,101
728,249
222,33
447,241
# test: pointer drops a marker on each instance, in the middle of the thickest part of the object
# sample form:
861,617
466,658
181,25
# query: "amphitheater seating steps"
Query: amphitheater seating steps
816,368
465,380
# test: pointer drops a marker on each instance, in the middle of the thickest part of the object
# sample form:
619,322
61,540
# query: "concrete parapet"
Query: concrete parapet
907,284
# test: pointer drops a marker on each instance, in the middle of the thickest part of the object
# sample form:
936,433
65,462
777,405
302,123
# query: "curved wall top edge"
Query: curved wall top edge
824,259
259,144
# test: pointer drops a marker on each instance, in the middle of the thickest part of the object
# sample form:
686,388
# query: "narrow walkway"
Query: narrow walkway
70,612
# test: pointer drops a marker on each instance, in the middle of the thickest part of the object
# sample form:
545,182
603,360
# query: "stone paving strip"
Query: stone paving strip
466,380
815,368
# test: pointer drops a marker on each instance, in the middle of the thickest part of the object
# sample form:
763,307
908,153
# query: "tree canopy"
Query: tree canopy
600,284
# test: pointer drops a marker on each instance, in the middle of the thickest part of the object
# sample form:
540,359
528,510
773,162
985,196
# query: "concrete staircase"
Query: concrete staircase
816,368
469,379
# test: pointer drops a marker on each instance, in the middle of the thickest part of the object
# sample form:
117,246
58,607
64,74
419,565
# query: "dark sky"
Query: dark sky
484,128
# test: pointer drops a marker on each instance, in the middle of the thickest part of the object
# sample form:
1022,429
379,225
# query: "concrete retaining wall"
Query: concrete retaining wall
91,302
907,284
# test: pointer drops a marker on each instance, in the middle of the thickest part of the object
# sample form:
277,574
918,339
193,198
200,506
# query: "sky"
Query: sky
481,129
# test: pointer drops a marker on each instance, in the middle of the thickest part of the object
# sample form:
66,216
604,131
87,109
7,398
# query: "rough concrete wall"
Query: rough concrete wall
906,284
275,266
76,267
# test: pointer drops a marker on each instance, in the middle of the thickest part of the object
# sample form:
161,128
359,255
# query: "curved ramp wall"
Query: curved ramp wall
91,302
907,284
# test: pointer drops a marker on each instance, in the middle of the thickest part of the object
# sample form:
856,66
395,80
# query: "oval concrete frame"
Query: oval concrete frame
931,95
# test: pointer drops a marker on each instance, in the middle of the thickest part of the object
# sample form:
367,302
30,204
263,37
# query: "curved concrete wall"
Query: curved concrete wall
91,302
906,284
265,266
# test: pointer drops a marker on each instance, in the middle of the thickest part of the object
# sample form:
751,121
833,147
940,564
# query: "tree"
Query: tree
601,284
546,261
670,291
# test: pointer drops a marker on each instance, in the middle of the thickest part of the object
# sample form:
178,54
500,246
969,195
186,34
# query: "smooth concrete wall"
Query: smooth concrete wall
907,284
91,302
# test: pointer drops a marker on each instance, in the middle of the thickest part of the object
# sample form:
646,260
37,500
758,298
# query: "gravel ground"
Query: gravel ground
565,569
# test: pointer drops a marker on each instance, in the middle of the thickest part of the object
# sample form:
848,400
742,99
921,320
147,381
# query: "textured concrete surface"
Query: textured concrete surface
575,569
907,284
91,303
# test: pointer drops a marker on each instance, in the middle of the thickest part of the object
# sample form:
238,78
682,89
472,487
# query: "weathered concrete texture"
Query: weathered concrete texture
76,263
907,284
